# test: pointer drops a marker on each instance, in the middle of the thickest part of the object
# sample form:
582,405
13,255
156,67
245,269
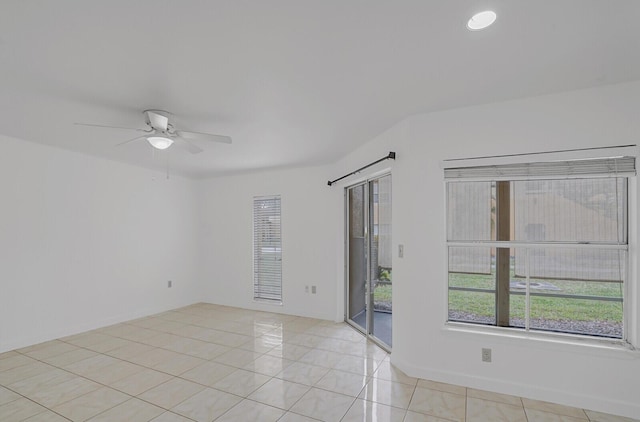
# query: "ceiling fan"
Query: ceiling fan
161,133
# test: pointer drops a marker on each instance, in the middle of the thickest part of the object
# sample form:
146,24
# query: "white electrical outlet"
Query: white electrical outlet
169,283
400,251
486,355
306,289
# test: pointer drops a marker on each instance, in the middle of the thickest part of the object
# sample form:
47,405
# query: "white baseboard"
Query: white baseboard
568,398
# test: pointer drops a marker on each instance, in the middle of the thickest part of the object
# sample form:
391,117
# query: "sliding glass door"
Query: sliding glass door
368,232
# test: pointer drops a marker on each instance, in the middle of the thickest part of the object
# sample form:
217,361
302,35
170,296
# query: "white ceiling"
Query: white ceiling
294,82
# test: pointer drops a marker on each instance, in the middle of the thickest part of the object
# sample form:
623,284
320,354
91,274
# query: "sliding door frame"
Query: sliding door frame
369,291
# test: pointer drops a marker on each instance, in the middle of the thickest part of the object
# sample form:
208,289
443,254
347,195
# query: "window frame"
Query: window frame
631,286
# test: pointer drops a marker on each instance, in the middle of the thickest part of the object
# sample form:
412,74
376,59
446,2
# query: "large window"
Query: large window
267,249
540,246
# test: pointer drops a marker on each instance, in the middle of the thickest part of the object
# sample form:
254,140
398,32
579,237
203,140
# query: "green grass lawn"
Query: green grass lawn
550,308
382,293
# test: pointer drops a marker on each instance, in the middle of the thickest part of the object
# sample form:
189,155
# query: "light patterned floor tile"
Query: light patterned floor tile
534,415
15,361
54,394
421,417
230,339
357,365
68,358
303,373
260,345
387,371
51,349
491,396
168,360
153,357
342,382
19,410
29,386
479,410
114,372
91,404
172,392
7,395
604,417
130,350
47,416
140,382
306,340
279,393
249,410
388,392
331,407
241,382
8,354
159,340
207,405
179,364
133,410
107,345
321,358
208,373
366,411
441,386
91,365
171,417
237,358
289,351
88,339
438,403
554,408
208,351
294,417
24,372
268,365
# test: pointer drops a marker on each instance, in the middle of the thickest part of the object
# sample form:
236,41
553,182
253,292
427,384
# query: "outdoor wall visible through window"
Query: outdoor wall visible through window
267,249
534,249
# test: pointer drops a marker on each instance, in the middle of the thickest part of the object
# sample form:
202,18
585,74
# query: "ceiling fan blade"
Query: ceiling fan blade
131,140
193,149
199,136
109,127
157,121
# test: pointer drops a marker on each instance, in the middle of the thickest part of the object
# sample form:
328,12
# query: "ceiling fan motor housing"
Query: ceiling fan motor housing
157,119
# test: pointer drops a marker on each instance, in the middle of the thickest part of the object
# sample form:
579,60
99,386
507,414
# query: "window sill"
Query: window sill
554,339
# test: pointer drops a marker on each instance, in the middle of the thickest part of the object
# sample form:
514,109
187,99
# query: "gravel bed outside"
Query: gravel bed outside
597,328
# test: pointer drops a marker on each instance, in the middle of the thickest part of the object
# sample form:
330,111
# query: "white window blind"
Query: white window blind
267,249
585,168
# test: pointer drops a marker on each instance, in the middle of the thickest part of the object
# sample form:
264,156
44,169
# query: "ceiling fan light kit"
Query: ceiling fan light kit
160,142
161,133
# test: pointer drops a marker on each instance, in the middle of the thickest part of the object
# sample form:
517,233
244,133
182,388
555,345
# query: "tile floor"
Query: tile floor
207,362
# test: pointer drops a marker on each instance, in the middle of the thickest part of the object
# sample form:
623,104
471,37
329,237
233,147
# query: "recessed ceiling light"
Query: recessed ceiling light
160,142
481,20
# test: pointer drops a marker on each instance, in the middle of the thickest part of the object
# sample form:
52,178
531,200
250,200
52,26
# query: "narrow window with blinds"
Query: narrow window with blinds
267,249
540,246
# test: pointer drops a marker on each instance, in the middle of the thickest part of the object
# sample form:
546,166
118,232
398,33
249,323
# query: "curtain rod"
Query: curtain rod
391,156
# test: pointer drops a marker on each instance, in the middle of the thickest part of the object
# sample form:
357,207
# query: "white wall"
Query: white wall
86,242
579,375
310,218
